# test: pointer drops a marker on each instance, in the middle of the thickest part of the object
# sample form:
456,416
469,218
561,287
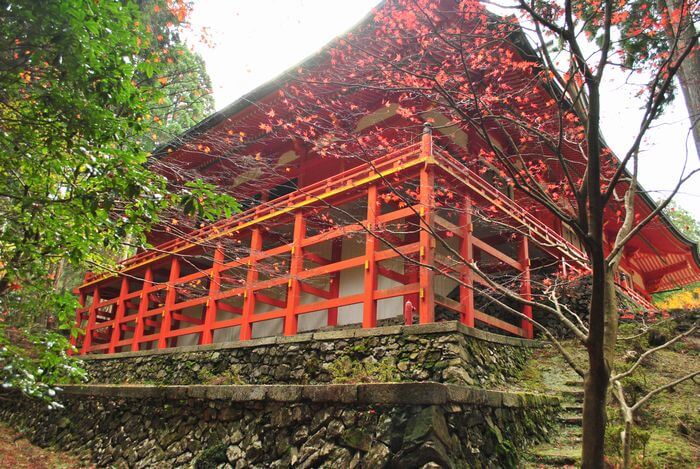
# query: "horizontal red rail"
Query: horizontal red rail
342,181
157,312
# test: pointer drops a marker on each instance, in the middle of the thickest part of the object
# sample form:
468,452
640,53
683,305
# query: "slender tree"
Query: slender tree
534,110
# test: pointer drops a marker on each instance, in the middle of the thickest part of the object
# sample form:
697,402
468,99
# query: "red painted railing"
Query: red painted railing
130,310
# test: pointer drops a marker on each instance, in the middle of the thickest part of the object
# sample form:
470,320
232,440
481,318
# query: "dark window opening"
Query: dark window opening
284,189
251,202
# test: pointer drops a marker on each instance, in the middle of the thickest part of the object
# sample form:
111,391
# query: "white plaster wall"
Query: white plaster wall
190,339
442,284
352,283
316,319
230,334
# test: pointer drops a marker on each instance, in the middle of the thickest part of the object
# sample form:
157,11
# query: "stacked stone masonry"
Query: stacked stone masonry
444,352
351,426
274,402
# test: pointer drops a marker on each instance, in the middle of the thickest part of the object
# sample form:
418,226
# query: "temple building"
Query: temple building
377,222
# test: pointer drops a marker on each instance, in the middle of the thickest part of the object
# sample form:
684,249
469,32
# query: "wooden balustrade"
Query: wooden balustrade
153,313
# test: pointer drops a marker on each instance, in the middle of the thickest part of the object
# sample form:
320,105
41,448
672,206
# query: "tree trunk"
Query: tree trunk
598,376
689,71
627,441
612,318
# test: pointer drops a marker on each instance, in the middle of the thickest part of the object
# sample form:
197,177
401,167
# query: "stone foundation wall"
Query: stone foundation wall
444,352
371,425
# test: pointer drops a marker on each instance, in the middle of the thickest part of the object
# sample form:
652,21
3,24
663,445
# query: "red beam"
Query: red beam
228,308
392,274
268,300
256,243
296,266
121,307
334,303
426,302
321,293
316,259
143,307
92,318
495,322
336,253
525,285
397,291
466,250
171,292
185,318
369,307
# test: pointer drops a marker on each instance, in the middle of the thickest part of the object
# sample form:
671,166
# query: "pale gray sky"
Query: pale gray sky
253,41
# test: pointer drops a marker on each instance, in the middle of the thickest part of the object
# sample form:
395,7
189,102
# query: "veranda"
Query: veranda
350,249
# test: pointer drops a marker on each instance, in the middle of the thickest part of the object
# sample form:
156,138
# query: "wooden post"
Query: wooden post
426,142
411,301
334,288
466,291
211,309
525,286
92,318
251,278
426,302
170,297
369,306
78,321
296,265
121,307
143,308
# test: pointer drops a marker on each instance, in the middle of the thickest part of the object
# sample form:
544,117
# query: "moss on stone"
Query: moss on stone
211,457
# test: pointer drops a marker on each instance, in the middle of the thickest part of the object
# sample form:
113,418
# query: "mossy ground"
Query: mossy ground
671,419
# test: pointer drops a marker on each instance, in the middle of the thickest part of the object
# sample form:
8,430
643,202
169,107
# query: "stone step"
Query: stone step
578,408
556,455
575,394
569,419
569,434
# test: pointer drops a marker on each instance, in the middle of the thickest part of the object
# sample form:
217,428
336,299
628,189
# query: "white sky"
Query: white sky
254,41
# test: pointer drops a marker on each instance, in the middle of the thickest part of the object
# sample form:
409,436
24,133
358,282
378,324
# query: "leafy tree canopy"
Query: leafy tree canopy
84,84
684,221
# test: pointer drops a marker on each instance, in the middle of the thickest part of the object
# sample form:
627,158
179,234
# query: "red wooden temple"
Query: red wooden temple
327,242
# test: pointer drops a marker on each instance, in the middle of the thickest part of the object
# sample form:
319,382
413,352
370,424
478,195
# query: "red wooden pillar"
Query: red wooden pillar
121,307
525,286
78,321
426,143
426,302
296,265
143,307
411,302
251,278
92,319
466,248
369,306
170,297
336,254
211,309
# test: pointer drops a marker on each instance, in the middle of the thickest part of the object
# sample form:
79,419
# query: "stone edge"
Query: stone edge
421,329
419,393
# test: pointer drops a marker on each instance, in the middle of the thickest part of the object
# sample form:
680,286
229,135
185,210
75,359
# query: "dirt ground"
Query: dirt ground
17,452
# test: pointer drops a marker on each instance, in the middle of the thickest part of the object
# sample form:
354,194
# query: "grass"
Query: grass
671,419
